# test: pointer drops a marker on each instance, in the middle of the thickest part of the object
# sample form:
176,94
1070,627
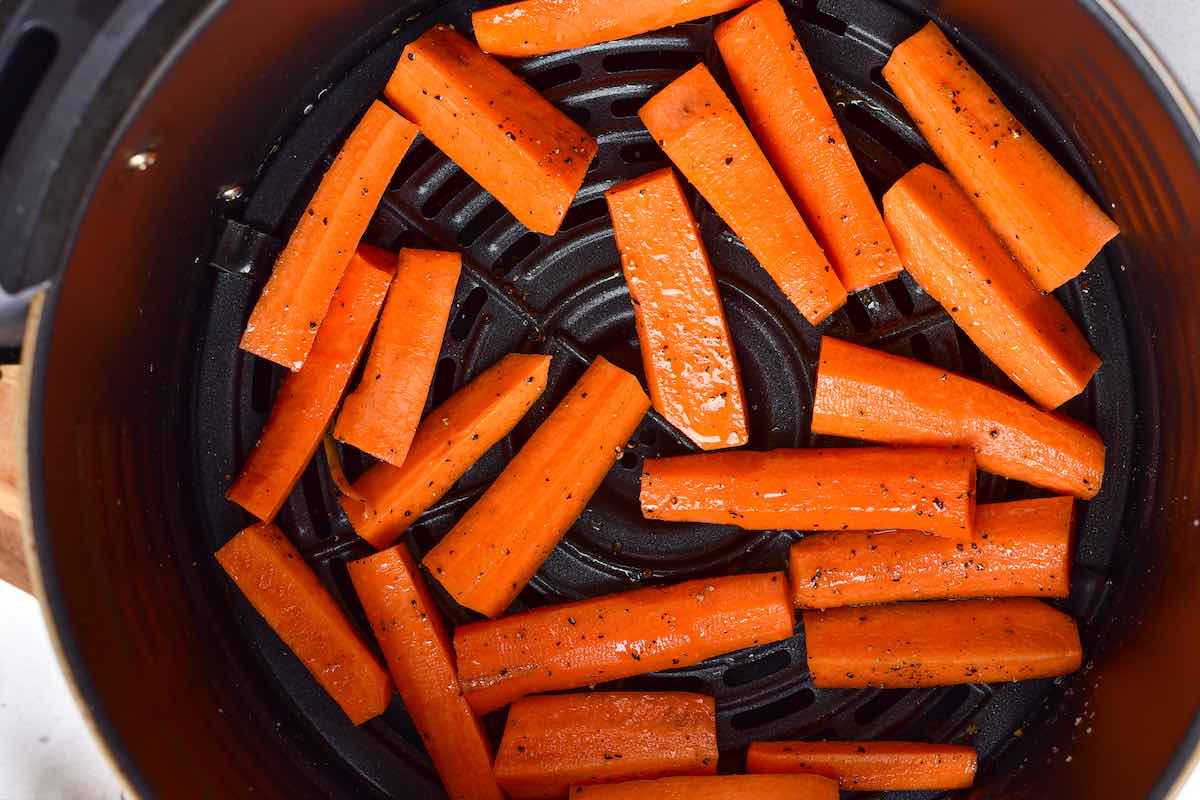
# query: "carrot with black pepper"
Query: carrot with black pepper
870,766
716,787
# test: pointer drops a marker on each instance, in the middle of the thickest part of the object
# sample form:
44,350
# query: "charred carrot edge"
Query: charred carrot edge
908,645
716,787
492,552
793,122
925,489
552,742
1044,217
289,596
700,130
537,27
1020,549
865,394
452,438
605,638
947,246
381,416
412,634
870,766
292,307
688,356
308,398
505,135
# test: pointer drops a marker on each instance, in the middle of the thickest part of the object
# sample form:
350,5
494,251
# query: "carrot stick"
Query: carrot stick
381,416
793,122
716,787
308,398
492,552
1020,549
906,645
293,304
700,130
536,27
506,136
1044,217
948,247
686,349
552,742
870,766
410,629
290,597
865,394
605,638
452,438
926,489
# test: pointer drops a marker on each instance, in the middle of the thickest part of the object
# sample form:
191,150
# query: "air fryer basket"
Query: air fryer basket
143,407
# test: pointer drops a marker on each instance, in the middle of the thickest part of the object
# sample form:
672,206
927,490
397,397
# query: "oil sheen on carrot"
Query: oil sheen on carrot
870,766
716,787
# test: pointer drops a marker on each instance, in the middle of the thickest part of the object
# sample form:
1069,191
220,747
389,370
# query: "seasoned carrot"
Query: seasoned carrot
793,122
716,787
536,27
870,766
308,398
293,304
942,643
290,597
865,394
492,552
410,630
686,350
552,742
506,136
381,416
926,489
1044,217
452,438
700,130
605,638
948,247
1020,549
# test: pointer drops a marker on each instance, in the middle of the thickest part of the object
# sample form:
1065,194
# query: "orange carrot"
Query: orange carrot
290,597
865,394
700,130
409,628
1044,217
686,350
606,638
452,438
948,247
794,124
552,742
381,416
308,398
492,552
716,787
905,645
870,766
509,138
1020,549
926,489
536,27
293,304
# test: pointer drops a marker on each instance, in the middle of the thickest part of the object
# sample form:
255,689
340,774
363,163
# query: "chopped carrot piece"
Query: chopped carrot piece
794,124
716,787
605,638
686,349
290,597
308,398
505,135
293,304
452,438
700,130
1044,217
381,416
865,394
870,766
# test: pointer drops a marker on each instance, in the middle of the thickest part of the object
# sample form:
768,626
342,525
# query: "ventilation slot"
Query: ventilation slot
757,670
485,219
921,348
564,73
418,153
878,705
815,16
443,381
972,362
642,153
517,252
627,107
878,130
675,60
446,192
773,711
629,460
465,320
585,212
31,59
857,313
949,706
900,296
